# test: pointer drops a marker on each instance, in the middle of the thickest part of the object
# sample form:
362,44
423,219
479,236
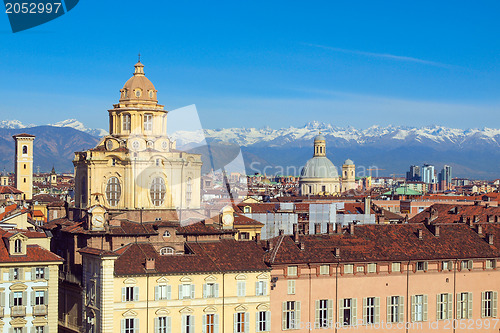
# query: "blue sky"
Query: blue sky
258,63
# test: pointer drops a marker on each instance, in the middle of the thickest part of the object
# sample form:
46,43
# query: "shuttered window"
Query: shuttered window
444,306
371,310
419,308
290,315
395,309
260,288
464,305
163,325
489,300
324,313
210,323
242,288
347,311
241,322
263,321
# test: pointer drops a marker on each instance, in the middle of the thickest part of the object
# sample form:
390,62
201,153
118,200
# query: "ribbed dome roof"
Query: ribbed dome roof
138,82
319,137
319,167
348,162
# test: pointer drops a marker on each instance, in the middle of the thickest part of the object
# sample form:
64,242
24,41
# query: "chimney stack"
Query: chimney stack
280,232
479,229
368,205
337,252
306,229
302,245
490,239
338,228
295,233
351,228
420,233
317,228
150,263
270,245
329,228
436,230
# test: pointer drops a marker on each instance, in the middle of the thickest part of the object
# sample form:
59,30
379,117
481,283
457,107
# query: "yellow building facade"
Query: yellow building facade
137,166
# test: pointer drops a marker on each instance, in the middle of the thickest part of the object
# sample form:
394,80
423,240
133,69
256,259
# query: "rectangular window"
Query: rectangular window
39,329
291,315
324,313
291,287
18,330
130,325
466,264
447,265
421,266
163,291
395,309
444,306
126,122
187,324
39,297
17,298
348,269
490,263
130,294
242,288
210,323
241,322
292,271
260,288
148,122
360,269
371,310
489,302
263,322
464,305
39,273
163,325
186,291
16,274
396,267
324,269
347,313
372,268
419,308
211,290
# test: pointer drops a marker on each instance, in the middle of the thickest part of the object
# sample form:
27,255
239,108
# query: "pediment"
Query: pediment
240,308
186,310
186,279
18,322
130,281
129,313
240,277
263,307
210,278
162,312
263,276
18,287
210,309
162,280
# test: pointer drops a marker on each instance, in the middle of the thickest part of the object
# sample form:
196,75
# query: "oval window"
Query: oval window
113,191
157,191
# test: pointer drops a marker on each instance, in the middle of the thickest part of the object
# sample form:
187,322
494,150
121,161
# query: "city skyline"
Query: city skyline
341,64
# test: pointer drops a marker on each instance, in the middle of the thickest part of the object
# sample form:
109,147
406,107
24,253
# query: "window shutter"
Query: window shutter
494,304
437,307
424,309
136,325
192,291
204,321
257,328
123,294
264,284
11,299
297,315
316,317
11,274
388,309
426,266
192,330
330,313
216,323
283,316
46,273
32,295
247,322
413,308
183,320
377,310
21,274
257,287
341,312
2,299
169,292
157,294
216,292
25,298
365,316
458,307
169,324
268,321
235,322
483,304
157,324
469,306
354,312
46,329
33,273
401,309
136,294
450,306
204,290
180,293
469,264
123,323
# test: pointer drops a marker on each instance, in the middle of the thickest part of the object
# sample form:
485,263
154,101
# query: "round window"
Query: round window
137,93
135,145
164,145
151,94
109,145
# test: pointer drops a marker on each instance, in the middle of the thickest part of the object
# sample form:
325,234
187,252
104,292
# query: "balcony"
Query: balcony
40,310
18,311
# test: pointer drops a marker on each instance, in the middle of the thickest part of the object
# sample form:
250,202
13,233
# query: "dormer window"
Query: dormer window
247,209
18,246
166,251
125,93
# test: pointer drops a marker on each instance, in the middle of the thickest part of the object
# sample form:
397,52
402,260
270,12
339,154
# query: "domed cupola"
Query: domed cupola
138,88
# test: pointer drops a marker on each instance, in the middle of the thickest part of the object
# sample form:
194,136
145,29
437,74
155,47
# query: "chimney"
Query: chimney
476,218
351,228
317,228
469,222
270,245
296,233
257,237
368,204
306,229
329,228
490,218
336,252
150,263
302,245
436,230
420,233
280,232
338,228
479,229
490,239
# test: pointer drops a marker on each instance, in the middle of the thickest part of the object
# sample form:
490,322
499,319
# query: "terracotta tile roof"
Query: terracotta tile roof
243,220
200,228
24,135
205,257
34,253
45,198
98,252
456,213
371,243
5,189
8,209
28,233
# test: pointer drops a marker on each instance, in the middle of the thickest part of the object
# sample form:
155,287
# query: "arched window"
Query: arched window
18,246
166,233
166,251
113,191
157,191
126,122
25,150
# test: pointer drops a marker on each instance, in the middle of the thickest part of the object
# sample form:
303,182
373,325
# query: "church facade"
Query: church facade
136,166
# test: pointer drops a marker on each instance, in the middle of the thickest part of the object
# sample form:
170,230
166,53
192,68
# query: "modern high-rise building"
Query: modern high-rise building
428,174
413,174
445,178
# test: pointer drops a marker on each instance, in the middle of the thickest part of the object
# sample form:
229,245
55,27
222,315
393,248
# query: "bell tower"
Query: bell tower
319,146
23,166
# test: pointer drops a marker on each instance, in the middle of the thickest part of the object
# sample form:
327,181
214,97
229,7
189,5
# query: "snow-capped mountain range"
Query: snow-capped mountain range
72,123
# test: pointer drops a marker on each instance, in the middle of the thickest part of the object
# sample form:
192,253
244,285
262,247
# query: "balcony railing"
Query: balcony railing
40,310
18,311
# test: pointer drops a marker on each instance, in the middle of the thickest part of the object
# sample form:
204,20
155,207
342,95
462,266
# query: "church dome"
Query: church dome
319,167
348,162
319,137
138,87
